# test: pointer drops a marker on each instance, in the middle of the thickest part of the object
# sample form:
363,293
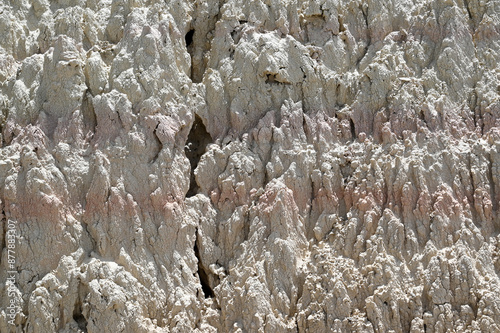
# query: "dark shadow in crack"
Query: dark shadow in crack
202,275
196,144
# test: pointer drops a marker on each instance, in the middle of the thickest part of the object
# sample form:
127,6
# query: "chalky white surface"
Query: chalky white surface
351,181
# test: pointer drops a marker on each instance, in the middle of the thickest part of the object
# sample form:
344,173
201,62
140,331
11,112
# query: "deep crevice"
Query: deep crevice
89,116
202,274
190,48
159,145
189,37
79,318
196,144
353,129
491,178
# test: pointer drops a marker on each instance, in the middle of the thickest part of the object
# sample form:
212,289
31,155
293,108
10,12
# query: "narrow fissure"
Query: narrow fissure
79,318
202,274
196,144
353,129
190,48
89,116
491,178
189,38
159,145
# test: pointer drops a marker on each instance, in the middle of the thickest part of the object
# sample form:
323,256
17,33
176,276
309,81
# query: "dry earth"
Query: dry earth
250,166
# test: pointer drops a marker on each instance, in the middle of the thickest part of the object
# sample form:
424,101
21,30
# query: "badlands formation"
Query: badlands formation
250,166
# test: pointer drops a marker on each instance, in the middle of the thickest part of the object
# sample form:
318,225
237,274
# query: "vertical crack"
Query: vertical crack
202,273
196,144
189,38
199,38
160,144
491,180
190,48
353,129
89,117
79,318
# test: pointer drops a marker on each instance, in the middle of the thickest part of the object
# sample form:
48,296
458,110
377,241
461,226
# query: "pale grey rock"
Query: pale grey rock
262,166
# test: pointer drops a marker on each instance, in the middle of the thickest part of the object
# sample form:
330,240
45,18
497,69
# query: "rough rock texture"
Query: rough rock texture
251,166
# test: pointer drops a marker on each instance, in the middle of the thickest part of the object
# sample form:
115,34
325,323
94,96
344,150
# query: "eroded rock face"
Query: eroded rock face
250,166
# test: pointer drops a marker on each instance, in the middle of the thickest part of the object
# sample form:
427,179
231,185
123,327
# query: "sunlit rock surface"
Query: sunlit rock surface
250,166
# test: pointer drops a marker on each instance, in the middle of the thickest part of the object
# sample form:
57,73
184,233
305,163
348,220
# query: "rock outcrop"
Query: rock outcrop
250,166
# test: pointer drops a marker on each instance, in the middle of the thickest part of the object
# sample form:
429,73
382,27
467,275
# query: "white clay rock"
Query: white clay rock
250,166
